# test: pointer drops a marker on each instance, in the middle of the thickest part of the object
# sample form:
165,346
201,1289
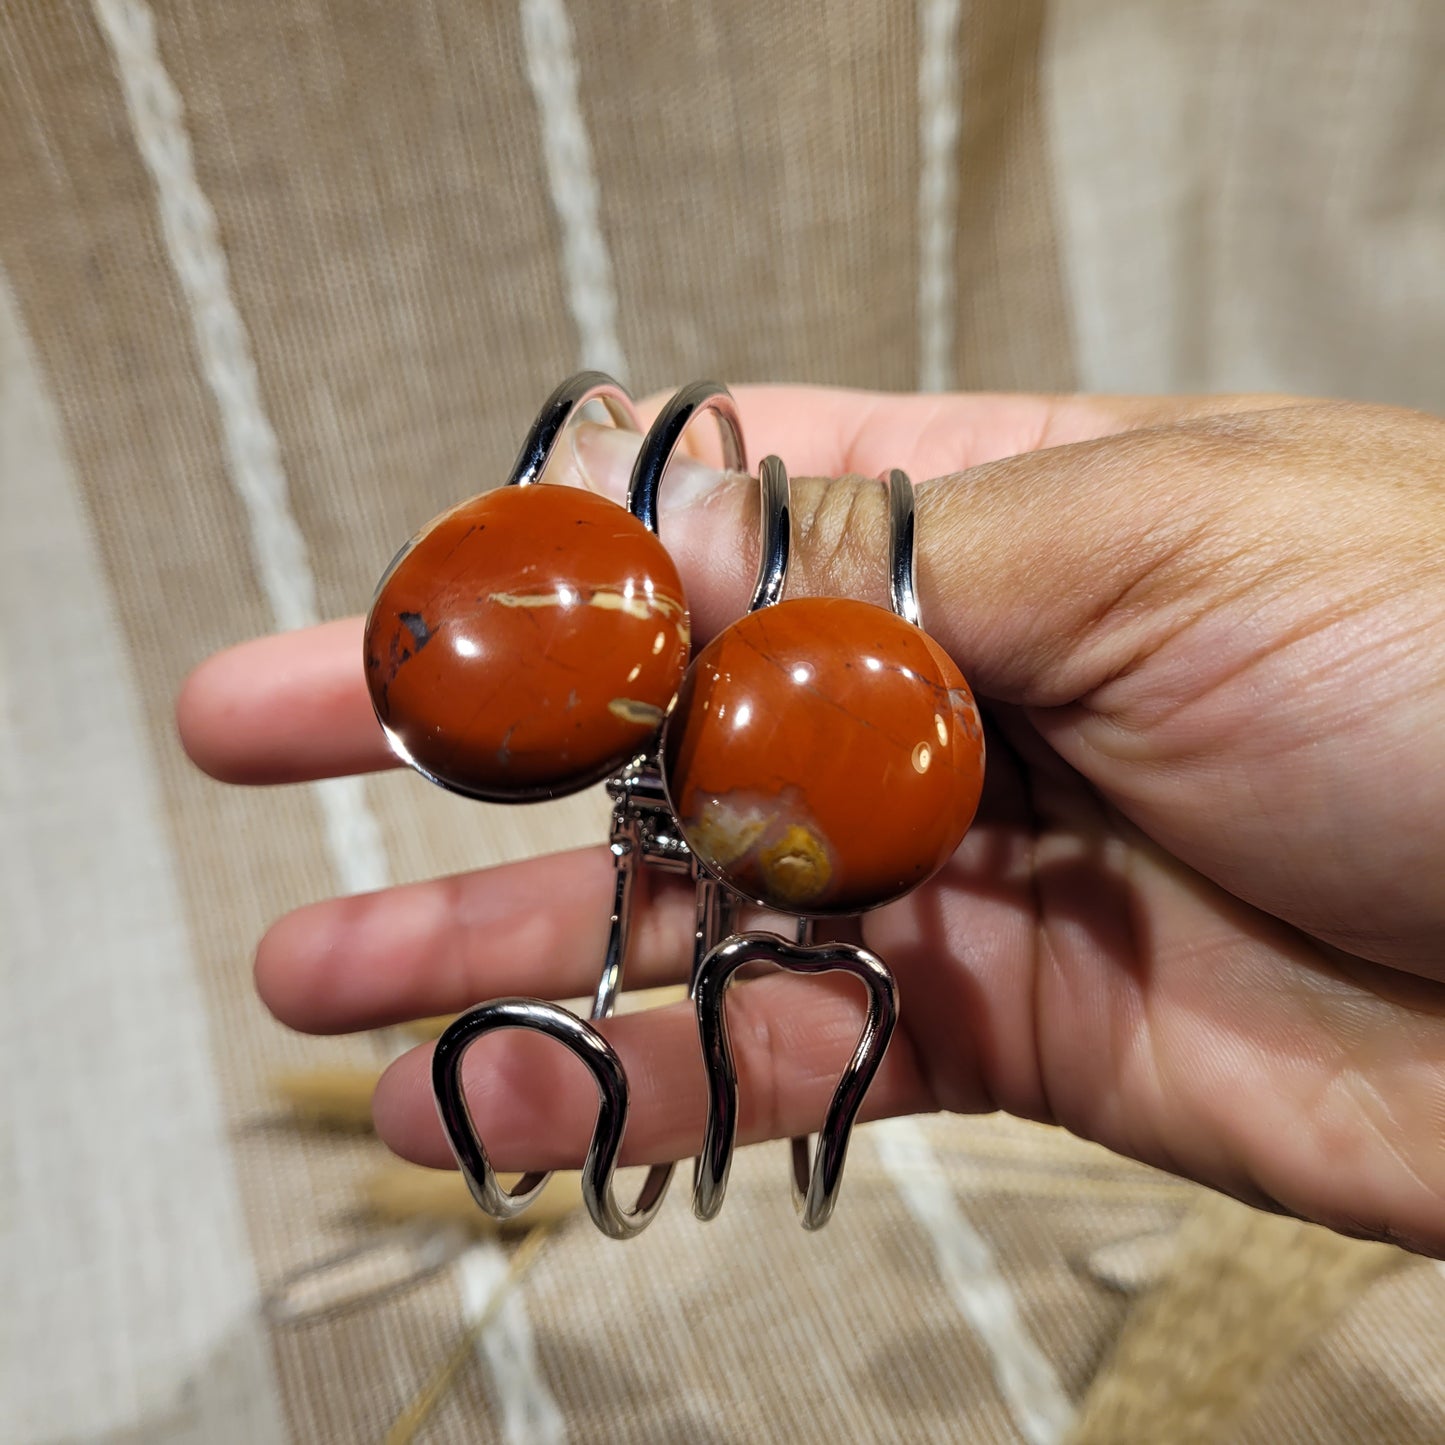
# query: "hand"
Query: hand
1201,916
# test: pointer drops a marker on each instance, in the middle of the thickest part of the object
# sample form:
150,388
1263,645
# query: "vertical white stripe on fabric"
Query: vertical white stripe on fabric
253,457
939,66
552,71
1026,1379
130,1295
528,1416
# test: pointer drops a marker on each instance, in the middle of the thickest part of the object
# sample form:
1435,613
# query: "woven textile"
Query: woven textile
280,281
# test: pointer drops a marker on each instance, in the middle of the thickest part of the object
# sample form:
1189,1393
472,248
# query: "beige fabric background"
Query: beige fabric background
1108,193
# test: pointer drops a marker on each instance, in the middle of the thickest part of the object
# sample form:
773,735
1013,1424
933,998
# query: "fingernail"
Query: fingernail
605,454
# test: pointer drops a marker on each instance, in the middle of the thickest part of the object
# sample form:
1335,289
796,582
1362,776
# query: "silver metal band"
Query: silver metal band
902,546
665,435
558,410
775,533
815,1183
584,1043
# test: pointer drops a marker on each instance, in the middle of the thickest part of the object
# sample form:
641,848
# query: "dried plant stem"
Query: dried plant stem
416,1414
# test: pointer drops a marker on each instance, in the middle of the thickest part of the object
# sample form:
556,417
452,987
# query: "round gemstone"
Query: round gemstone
527,643
824,756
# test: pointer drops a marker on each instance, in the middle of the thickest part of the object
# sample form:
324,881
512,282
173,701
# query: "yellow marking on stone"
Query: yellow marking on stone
941,728
644,714
922,757
530,599
796,867
607,599
634,606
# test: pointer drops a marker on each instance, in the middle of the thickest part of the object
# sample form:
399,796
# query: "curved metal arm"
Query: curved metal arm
558,410
815,1185
659,447
902,546
665,435
775,533
584,1043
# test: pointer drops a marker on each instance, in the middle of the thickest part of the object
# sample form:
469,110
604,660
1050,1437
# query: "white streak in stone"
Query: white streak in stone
605,599
252,453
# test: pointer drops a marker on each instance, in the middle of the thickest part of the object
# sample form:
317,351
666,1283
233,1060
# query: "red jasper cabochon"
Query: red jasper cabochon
527,643
823,756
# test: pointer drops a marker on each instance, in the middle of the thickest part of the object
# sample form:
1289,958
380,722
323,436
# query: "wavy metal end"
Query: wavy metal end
584,1043
816,1181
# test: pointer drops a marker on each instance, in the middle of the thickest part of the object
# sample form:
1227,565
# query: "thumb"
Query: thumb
1191,614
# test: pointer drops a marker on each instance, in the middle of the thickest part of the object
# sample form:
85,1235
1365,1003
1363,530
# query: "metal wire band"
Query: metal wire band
815,1184
665,435
558,410
902,546
775,533
584,1043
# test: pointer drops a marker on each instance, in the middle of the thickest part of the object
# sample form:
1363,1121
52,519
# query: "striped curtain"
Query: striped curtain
280,281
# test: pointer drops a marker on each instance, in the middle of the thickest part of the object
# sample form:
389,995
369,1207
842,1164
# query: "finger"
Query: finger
831,431
534,1105
292,707
283,709
538,927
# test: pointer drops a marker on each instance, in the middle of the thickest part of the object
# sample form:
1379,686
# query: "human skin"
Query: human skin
1200,918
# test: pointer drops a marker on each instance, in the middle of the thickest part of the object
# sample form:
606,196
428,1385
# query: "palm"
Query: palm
1065,968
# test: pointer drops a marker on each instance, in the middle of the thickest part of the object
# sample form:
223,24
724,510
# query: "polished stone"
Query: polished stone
527,643
824,756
